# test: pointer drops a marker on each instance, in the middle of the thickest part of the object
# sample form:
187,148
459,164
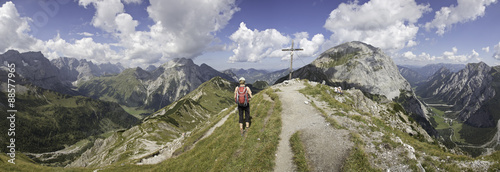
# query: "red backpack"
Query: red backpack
242,96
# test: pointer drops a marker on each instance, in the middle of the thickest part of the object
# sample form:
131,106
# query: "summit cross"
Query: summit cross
291,58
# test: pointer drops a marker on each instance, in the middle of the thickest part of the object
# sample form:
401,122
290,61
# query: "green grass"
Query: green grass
475,135
441,124
299,157
198,133
437,111
357,159
339,58
136,112
320,92
330,120
23,164
457,126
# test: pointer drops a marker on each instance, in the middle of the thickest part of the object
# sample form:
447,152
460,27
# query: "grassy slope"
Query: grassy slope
23,163
125,89
193,112
48,121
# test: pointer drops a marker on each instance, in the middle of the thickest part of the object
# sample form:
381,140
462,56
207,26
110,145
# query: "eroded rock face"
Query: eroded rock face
363,65
34,68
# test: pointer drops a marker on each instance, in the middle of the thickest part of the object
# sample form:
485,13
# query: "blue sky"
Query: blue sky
251,33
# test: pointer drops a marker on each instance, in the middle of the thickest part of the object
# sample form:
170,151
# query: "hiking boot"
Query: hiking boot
242,132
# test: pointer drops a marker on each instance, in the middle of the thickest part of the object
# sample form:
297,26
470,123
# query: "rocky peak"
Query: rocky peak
177,62
363,66
442,70
351,47
150,68
36,69
74,70
142,74
109,68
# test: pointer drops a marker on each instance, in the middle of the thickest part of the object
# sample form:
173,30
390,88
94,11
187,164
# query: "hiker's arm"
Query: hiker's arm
249,92
235,90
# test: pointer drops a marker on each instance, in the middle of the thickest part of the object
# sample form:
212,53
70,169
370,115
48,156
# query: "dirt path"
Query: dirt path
326,147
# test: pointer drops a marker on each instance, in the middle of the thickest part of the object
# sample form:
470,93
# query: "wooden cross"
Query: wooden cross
291,58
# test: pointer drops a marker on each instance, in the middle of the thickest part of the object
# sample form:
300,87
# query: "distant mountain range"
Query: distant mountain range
253,75
74,70
416,74
153,90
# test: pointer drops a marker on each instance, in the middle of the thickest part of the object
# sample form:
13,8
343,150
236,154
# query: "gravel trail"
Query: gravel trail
326,147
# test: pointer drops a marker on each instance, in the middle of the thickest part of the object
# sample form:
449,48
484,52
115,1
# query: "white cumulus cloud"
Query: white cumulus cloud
84,48
85,34
486,49
421,57
496,55
255,45
312,46
189,27
13,30
106,12
475,55
455,57
387,24
466,10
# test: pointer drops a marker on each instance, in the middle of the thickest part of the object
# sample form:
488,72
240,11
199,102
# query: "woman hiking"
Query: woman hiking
242,95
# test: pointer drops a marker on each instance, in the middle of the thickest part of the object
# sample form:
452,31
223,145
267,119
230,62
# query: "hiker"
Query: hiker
242,95
337,90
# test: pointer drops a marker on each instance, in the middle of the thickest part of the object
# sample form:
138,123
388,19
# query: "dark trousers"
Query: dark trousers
245,110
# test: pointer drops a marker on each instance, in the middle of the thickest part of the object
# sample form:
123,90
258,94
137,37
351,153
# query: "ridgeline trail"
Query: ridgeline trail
326,147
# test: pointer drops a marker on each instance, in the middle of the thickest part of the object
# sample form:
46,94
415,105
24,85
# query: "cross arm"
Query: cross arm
297,49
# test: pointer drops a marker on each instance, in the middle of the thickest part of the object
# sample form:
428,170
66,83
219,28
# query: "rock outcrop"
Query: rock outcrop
362,66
